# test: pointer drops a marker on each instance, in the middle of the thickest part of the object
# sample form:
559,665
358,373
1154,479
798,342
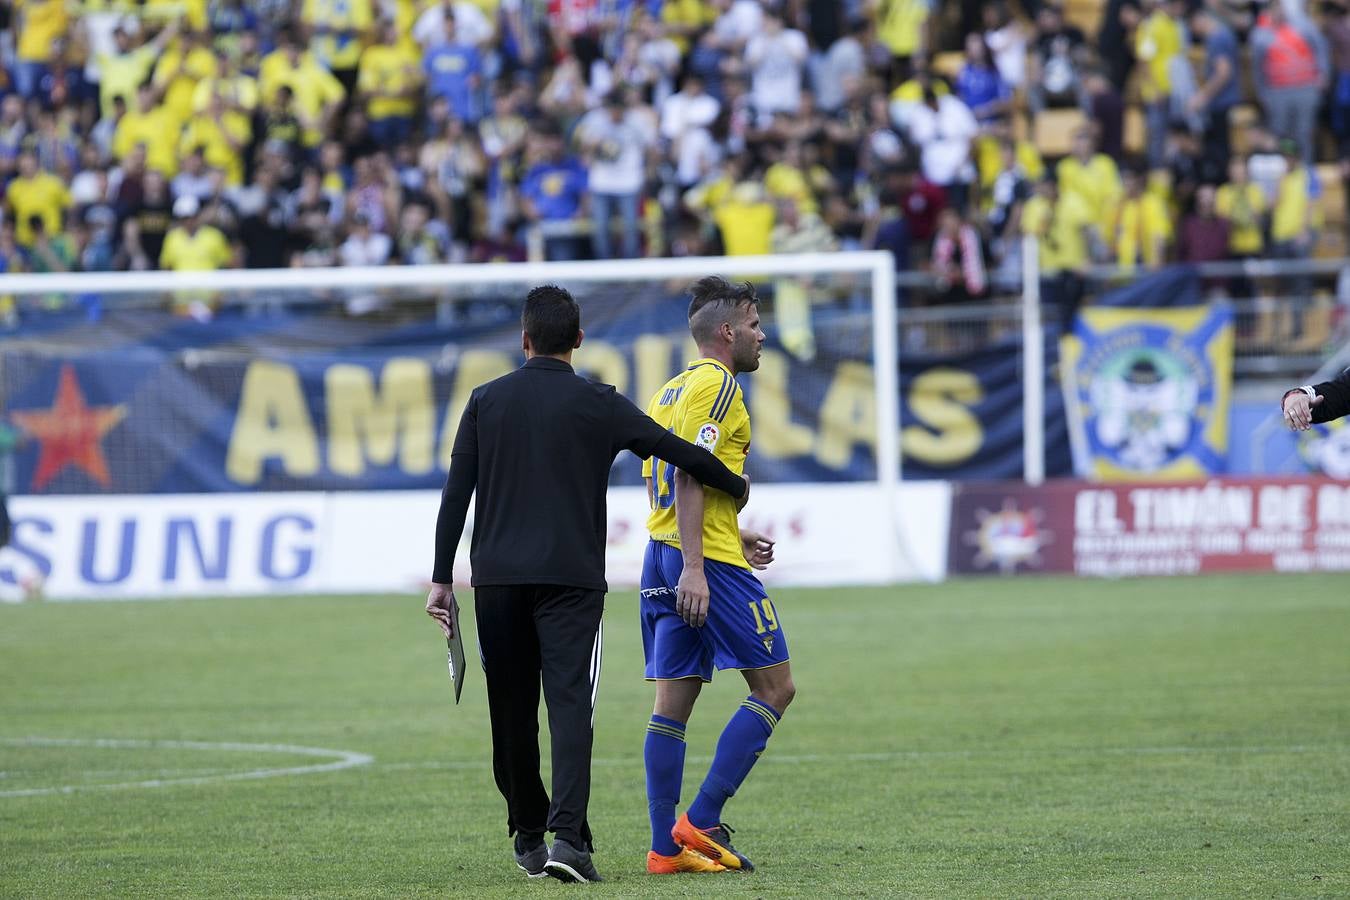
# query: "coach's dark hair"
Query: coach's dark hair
712,296
552,319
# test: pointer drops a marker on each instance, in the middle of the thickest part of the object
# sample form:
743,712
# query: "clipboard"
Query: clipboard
455,656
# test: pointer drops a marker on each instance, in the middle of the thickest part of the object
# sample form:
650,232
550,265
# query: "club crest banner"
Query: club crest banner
1148,392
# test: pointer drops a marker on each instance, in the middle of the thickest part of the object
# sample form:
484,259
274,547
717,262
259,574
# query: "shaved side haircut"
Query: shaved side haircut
712,301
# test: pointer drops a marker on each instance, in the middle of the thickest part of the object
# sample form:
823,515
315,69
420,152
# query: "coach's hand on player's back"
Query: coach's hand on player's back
441,606
691,596
745,498
757,548
1298,408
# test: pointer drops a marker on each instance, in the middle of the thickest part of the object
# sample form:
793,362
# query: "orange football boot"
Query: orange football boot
684,861
714,843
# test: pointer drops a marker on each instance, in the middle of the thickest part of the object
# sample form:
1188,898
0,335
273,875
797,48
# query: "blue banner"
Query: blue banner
961,415
150,403
1150,392
1174,286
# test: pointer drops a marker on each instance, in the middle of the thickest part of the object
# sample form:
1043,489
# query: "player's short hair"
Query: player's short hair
552,320
713,296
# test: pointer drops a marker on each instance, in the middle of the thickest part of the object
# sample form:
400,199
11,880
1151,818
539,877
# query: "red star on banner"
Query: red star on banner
70,432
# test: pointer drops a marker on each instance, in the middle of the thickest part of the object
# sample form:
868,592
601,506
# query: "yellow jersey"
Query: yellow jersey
1097,182
785,182
747,228
1060,229
340,28
681,14
205,251
42,195
120,74
313,86
705,406
41,23
158,130
900,25
191,12
710,194
1142,222
1157,41
179,73
1289,218
222,141
393,69
237,90
1242,205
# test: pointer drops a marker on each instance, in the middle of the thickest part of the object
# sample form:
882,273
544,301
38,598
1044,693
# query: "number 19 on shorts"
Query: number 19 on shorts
765,618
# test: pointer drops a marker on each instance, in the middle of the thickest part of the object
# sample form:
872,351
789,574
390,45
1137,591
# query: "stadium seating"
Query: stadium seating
1085,14
1053,130
948,65
1136,131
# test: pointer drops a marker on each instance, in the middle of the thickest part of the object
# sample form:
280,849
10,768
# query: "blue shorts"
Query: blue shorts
742,631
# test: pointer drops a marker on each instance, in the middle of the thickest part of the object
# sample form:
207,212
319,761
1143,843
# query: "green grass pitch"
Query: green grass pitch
982,738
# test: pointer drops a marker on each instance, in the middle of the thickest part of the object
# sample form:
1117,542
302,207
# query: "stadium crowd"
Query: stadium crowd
200,134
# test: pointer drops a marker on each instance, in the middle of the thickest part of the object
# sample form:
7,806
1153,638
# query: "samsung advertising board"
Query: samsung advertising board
169,545
224,544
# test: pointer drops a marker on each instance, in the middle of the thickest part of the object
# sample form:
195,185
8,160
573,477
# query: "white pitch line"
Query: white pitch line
899,755
344,759
341,759
121,773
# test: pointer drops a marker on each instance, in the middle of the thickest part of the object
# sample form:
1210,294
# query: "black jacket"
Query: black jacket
537,445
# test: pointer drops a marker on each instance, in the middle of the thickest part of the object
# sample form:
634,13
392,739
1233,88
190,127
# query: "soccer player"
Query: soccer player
701,605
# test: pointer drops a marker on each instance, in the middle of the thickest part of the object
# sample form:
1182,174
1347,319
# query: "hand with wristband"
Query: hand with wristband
1298,406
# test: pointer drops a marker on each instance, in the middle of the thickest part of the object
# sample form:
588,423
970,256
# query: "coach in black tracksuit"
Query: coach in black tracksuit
538,445
1311,404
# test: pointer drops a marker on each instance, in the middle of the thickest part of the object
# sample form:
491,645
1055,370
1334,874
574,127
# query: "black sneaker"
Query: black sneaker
569,864
531,859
